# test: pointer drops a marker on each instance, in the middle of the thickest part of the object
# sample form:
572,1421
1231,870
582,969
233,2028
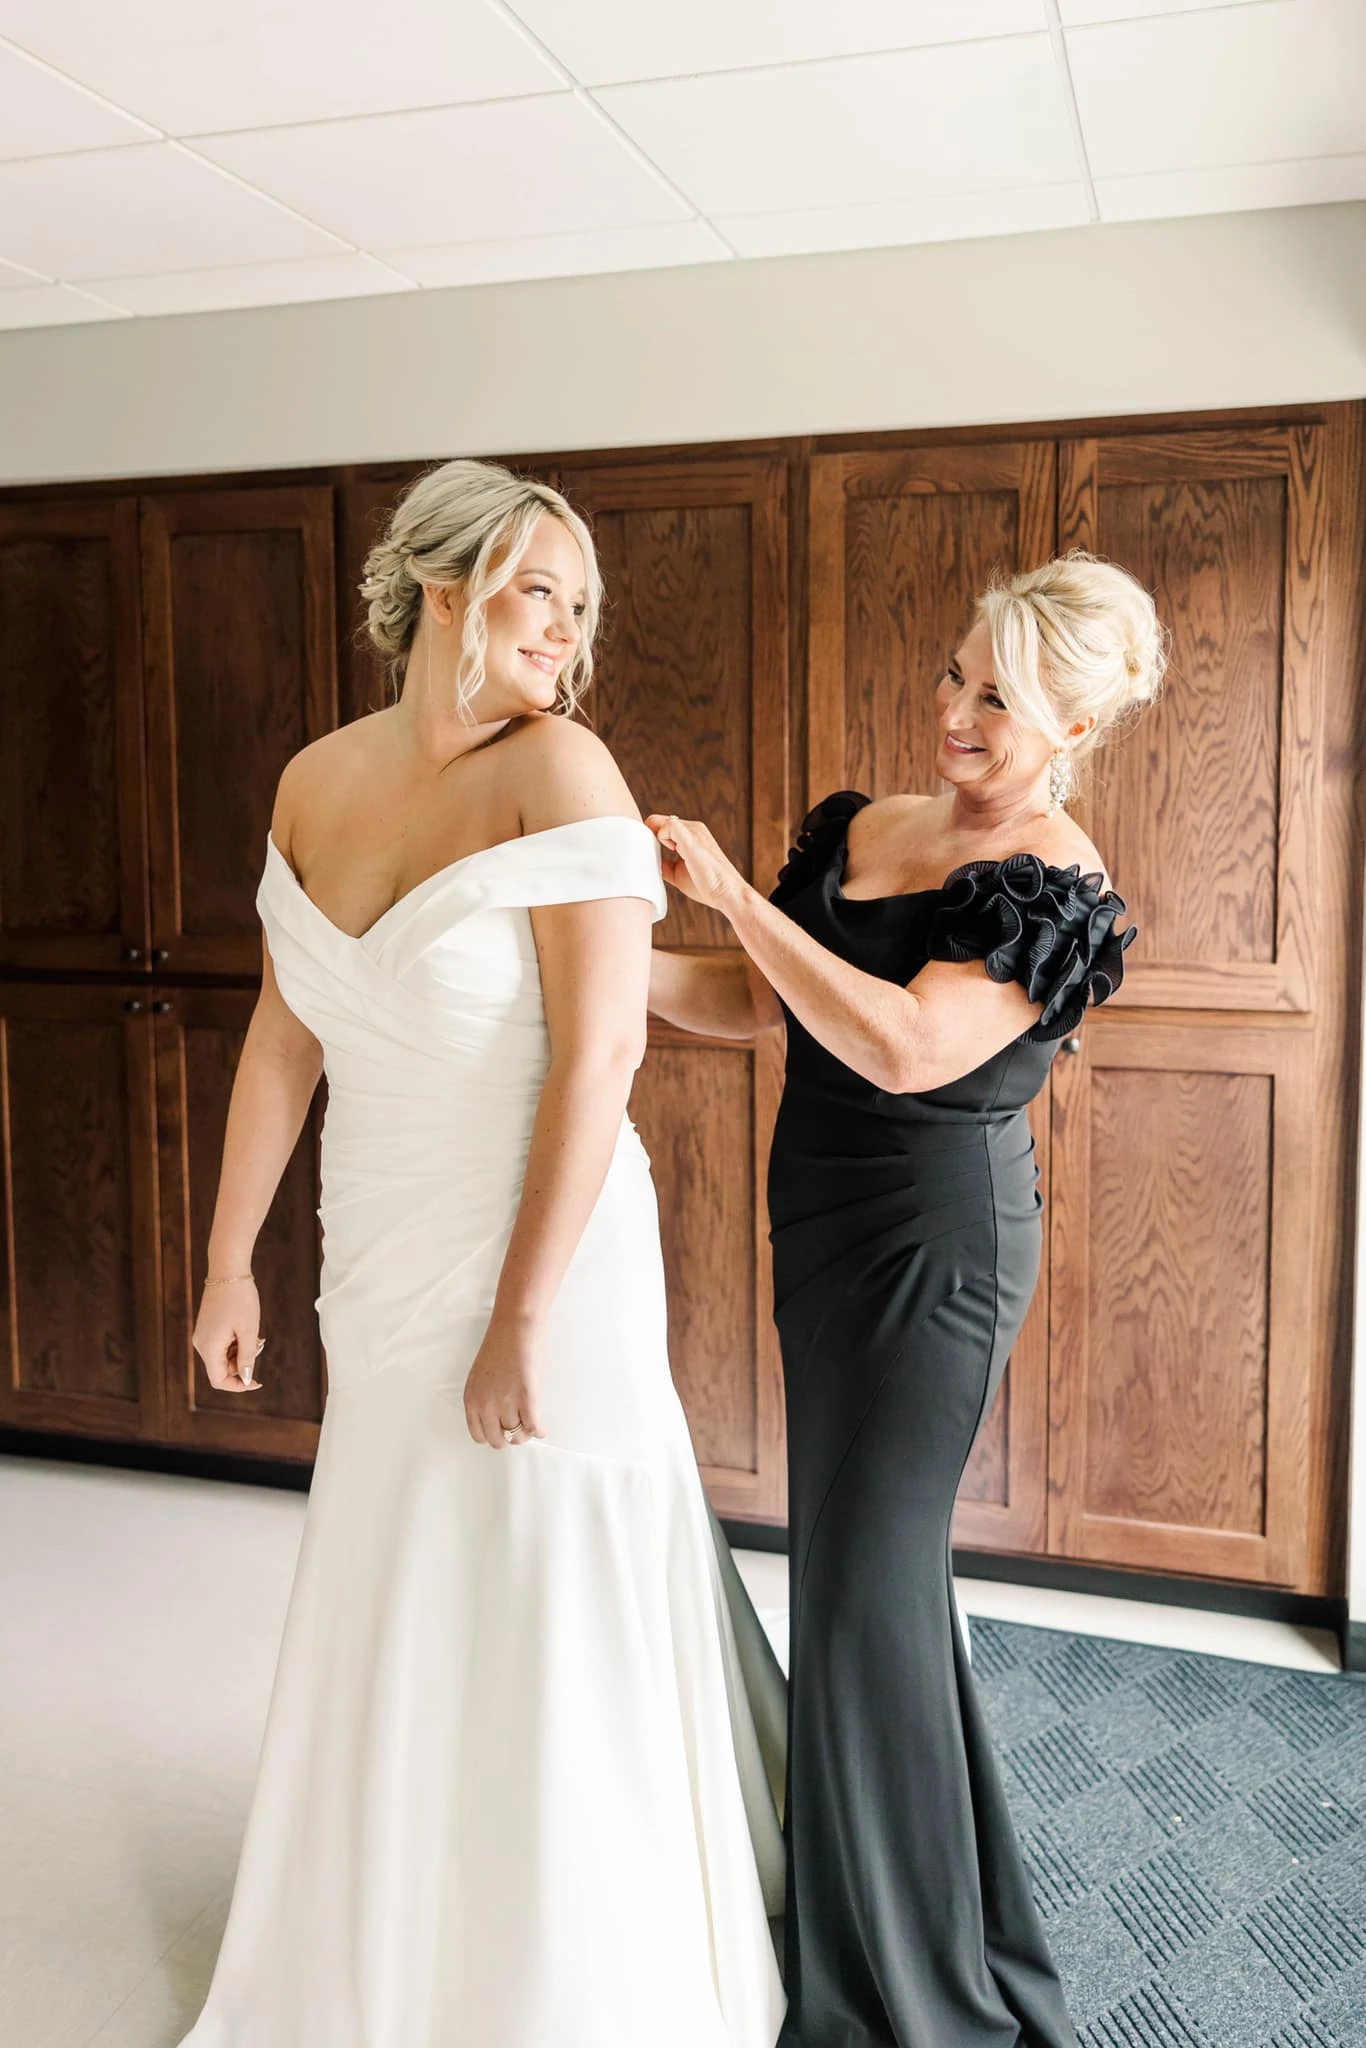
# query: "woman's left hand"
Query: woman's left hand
502,1393
693,863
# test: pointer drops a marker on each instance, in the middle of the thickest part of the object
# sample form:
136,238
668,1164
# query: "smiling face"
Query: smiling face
984,750
533,625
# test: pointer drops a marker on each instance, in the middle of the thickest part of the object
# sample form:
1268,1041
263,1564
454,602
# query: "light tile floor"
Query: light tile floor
139,1621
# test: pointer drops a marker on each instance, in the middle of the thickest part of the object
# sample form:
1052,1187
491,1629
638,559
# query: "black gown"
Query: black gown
906,1243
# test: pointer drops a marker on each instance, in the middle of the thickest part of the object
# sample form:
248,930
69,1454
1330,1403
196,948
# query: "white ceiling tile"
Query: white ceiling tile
194,68
1079,11
951,217
605,42
52,305
652,248
455,174
1159,195
14,276
41,115
1229,85
115,212
964,117
252,284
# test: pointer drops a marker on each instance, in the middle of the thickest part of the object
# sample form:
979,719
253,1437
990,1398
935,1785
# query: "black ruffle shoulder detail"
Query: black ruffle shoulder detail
822,832
1050,929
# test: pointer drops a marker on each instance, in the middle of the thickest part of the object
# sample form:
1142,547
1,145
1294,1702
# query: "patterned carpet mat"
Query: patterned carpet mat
1195,1830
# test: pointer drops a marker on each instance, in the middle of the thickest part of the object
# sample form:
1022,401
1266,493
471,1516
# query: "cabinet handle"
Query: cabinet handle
163,1008
160,956
1072,1045
133,1006
132,954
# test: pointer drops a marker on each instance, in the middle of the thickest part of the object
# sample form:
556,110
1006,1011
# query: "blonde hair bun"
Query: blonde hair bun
1078,639
466,525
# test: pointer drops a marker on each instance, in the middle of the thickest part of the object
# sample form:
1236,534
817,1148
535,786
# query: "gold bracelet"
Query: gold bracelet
226,1279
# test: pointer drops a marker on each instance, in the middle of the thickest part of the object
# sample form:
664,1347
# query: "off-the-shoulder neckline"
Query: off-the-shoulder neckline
443,874
836,869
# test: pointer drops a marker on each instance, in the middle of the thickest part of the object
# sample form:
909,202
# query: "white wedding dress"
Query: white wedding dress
500,1801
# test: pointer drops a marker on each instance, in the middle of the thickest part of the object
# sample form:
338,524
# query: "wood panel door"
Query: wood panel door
691,696
1182,1177
81,1272
73,814
199,1034
238,620
1208,813
900,543
363,507
1185,1336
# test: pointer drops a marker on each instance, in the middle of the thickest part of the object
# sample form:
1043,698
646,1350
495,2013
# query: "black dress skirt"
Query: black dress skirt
906,1244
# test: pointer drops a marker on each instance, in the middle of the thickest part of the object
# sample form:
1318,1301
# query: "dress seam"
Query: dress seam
995,1295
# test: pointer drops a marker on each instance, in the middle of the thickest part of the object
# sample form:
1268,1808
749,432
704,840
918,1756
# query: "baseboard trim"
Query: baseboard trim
169,1458
1217,1596
770,1536
1064,1575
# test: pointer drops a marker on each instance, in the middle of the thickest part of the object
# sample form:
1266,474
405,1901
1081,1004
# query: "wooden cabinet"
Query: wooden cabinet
901,541
1176,1400
199,1035
691,696
114,1101
73,819
1182,1170
1183,1364
1209,812
239,613
81,1259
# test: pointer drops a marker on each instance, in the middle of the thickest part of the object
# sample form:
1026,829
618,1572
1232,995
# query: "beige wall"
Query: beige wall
1238,309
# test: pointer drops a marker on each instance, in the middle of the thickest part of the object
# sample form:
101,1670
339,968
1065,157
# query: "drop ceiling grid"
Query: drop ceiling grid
280,153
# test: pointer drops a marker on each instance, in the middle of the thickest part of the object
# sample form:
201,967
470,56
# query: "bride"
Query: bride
510,1790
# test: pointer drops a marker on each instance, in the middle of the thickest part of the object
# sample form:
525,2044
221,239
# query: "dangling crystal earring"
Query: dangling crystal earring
1059,780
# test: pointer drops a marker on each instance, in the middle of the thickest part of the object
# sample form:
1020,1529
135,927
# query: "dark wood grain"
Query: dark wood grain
1220,786
363,509
1182,1166
694,1110
691,695
239,619
672,692
198,1041
81,1272
1187,807
1198,496
73,890
900,544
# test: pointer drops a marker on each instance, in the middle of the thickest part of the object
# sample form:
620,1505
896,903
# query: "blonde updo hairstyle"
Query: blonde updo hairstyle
1077,639
466,526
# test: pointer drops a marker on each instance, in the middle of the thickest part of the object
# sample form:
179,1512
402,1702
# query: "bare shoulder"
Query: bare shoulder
320,775
891,817
1061,843
563,772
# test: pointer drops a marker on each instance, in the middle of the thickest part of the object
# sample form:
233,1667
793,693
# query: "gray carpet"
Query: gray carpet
1196,1833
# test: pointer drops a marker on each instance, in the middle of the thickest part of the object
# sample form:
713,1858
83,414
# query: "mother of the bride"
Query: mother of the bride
922,1015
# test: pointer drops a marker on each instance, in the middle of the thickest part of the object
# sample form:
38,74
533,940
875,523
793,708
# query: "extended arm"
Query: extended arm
718,995
949,1020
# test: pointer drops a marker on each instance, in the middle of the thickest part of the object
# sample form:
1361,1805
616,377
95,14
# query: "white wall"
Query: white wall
1237,309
